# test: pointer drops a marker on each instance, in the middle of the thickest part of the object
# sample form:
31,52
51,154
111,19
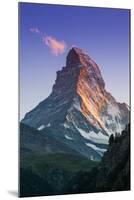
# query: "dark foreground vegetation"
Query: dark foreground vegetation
68,174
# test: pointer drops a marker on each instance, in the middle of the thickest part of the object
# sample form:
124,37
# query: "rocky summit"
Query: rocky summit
79,112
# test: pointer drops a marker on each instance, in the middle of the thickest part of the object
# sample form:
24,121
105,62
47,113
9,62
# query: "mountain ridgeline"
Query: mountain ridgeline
79,114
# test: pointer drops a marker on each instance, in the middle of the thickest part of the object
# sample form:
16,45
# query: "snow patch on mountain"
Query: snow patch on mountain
99,137
113,110
99,150
66,125
41,127
76,104
68,137
48,125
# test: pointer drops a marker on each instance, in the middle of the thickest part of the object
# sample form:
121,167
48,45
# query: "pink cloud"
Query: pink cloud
57,47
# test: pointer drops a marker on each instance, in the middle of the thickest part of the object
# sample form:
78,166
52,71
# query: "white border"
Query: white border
9,97
96,3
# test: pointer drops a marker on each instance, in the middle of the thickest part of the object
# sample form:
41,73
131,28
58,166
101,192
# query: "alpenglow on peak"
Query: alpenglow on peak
80,108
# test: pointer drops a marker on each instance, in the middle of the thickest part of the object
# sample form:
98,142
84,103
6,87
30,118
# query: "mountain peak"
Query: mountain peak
78,50
75,57
79,110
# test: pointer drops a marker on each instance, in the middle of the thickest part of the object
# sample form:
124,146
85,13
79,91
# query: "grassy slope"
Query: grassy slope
50,174
71,163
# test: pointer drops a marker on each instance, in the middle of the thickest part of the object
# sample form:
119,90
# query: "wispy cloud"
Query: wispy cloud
57,47
35,30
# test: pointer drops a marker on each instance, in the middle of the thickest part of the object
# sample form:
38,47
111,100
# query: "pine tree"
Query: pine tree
111,139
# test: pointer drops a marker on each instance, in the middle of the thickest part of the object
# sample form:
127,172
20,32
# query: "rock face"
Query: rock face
79,112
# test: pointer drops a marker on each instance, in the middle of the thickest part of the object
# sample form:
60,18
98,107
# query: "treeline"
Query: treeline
113,172
118,137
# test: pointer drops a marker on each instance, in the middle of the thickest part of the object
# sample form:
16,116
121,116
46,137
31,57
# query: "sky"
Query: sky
47,32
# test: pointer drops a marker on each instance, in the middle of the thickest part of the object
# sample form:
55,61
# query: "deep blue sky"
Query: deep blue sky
102,33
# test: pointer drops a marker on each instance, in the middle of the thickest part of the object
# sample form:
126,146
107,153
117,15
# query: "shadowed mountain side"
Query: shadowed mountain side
47,166
38,142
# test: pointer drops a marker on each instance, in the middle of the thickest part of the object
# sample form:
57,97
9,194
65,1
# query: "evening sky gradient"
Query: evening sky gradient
102,33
